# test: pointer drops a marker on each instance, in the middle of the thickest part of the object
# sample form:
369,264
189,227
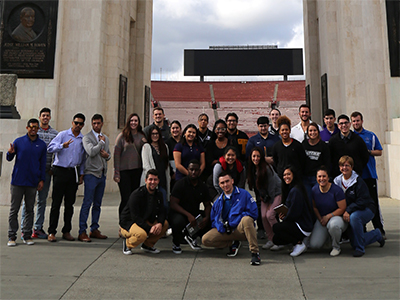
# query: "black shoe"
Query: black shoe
192,243
234,249
358,253
125,249
176,249
382,241
255,259
148,249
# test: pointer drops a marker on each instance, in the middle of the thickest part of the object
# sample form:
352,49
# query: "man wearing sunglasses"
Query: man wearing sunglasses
68,168
28,176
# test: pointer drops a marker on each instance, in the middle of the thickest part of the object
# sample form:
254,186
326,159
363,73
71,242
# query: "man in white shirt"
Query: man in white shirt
299,132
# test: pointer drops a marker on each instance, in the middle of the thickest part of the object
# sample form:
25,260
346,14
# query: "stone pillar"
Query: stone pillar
8,91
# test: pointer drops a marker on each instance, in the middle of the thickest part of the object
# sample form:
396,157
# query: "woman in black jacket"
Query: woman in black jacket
297,221
360,207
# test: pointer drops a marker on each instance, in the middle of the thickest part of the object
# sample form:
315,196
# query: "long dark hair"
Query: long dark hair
126,132
183,138
160,142
262,177
213,134
296,182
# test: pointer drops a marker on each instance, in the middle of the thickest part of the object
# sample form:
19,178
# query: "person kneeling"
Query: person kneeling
143,218
187,195
232,220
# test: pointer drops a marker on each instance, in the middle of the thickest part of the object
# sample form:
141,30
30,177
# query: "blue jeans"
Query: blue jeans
94,191
358,238
41,205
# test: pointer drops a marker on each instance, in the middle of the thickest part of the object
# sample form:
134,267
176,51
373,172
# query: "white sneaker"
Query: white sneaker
298,249
268,245
335,252
11,243
29,242
277,247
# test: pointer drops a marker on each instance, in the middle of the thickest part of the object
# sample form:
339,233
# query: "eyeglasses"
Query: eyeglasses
345,166
220,129
231,121
79,123
343,123
154,133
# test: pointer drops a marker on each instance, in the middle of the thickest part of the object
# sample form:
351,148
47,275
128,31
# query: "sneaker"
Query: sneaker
298,249
176,249
358,253
234,249
192,243
39,234
168,232
11,242
335,252
255,259
277,247
22,236
268,245
382,241
29,242
148,249
125,249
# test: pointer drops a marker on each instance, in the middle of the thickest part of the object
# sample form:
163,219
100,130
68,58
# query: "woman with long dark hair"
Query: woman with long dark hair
317,155
186,150
266,184
232,165
176,135
296,222
155,156
216,147
128,158
287,151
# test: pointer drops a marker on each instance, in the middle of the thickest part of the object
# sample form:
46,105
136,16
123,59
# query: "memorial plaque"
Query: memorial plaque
28,37
123,88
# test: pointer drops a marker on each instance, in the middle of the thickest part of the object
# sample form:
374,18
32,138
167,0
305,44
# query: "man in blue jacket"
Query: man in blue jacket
28,176
232,220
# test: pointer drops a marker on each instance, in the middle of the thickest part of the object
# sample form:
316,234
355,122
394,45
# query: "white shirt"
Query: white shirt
298,133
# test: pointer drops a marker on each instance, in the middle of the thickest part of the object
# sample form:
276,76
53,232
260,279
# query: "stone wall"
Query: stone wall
97,40
348,41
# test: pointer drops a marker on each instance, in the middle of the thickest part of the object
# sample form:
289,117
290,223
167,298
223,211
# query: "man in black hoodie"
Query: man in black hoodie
143,220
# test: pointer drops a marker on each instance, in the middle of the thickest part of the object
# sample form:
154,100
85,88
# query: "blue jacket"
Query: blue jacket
242,204
30,164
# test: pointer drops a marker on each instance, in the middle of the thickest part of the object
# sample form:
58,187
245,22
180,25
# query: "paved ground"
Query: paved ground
99,270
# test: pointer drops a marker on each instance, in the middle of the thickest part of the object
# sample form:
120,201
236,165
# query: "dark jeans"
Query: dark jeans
64,186
287,233
129,181
178,222
377,220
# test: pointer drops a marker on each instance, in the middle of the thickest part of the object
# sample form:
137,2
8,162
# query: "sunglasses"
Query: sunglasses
79,123
33,127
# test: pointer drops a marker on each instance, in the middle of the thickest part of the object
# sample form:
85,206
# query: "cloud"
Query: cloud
195,24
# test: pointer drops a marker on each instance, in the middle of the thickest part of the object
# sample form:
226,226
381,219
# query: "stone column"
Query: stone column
8,92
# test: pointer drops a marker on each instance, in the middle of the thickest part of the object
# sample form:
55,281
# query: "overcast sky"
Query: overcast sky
198,24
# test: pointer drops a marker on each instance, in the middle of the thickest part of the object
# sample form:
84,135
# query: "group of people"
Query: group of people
311,183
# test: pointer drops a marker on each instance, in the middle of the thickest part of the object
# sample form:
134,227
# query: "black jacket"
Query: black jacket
354,147
140,209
